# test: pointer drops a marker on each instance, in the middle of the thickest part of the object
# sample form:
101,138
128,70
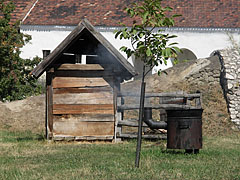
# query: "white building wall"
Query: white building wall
42,40
202,44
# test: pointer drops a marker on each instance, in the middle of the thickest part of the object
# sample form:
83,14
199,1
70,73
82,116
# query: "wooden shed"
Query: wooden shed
83,76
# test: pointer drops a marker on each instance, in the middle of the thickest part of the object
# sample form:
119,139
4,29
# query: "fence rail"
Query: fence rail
162,101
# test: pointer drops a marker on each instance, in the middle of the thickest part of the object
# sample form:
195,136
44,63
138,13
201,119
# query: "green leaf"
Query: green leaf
171,22
129,52
141,34
117,34
165,61
176,15
123,48
132,13
134,31
146,13
149,52
124,33
172,36
173,44
168,8
168,52
177,49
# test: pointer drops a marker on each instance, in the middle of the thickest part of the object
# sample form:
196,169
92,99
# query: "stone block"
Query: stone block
229,76
233,116
230,85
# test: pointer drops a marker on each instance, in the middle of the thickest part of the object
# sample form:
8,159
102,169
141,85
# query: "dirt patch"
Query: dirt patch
24,115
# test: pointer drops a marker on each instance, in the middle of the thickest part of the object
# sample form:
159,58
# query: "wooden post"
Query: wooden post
198,101
49,104
45,54
118,115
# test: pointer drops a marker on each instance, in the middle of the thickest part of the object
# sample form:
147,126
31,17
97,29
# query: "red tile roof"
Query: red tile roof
21,8
207,13
70,12
195,13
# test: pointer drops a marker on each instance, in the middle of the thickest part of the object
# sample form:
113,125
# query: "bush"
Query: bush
15,79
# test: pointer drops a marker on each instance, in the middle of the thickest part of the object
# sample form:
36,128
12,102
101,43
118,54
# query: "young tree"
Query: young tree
149,44
15,81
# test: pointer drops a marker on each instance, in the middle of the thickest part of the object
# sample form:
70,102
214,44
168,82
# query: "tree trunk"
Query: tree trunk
141,108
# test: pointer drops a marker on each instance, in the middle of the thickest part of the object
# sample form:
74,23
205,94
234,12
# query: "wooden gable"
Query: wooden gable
85,40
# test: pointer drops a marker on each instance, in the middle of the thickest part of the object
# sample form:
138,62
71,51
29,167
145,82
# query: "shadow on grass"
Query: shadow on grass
182,151
20,136
31,137
164,150
167,151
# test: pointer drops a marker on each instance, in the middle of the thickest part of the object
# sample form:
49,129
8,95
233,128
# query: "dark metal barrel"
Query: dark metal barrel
184,129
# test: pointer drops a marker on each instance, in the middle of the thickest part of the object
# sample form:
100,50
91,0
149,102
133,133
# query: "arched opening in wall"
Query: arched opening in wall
185,55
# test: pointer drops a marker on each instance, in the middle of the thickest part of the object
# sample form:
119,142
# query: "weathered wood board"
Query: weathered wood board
75,128
83,98
84,117
62,82
83,109
81,67
82,90
92,74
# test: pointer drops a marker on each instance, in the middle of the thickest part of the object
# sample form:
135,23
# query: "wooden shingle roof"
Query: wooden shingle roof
73,36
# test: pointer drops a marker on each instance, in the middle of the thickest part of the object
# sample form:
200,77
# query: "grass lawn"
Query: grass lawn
28,156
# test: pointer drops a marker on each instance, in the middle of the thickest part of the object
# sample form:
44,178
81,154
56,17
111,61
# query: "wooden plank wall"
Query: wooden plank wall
82,101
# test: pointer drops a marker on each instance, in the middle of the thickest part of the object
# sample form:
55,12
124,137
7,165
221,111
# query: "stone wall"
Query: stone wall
230,81
208,71
222,67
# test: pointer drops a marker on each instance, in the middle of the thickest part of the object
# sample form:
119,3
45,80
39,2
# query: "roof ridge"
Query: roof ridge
30,10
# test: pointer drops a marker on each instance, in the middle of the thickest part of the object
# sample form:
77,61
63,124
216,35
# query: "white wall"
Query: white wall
201,44
42,40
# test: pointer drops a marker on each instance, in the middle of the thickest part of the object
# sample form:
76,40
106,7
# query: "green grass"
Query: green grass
24,155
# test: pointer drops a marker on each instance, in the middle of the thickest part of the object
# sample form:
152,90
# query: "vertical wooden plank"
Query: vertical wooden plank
117,116
49,104
45,54
46,110
198,101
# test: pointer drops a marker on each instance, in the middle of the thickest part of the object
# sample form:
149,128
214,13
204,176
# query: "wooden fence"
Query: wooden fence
127,101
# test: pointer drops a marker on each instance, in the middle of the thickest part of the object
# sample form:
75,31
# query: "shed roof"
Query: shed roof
195,13
75,34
